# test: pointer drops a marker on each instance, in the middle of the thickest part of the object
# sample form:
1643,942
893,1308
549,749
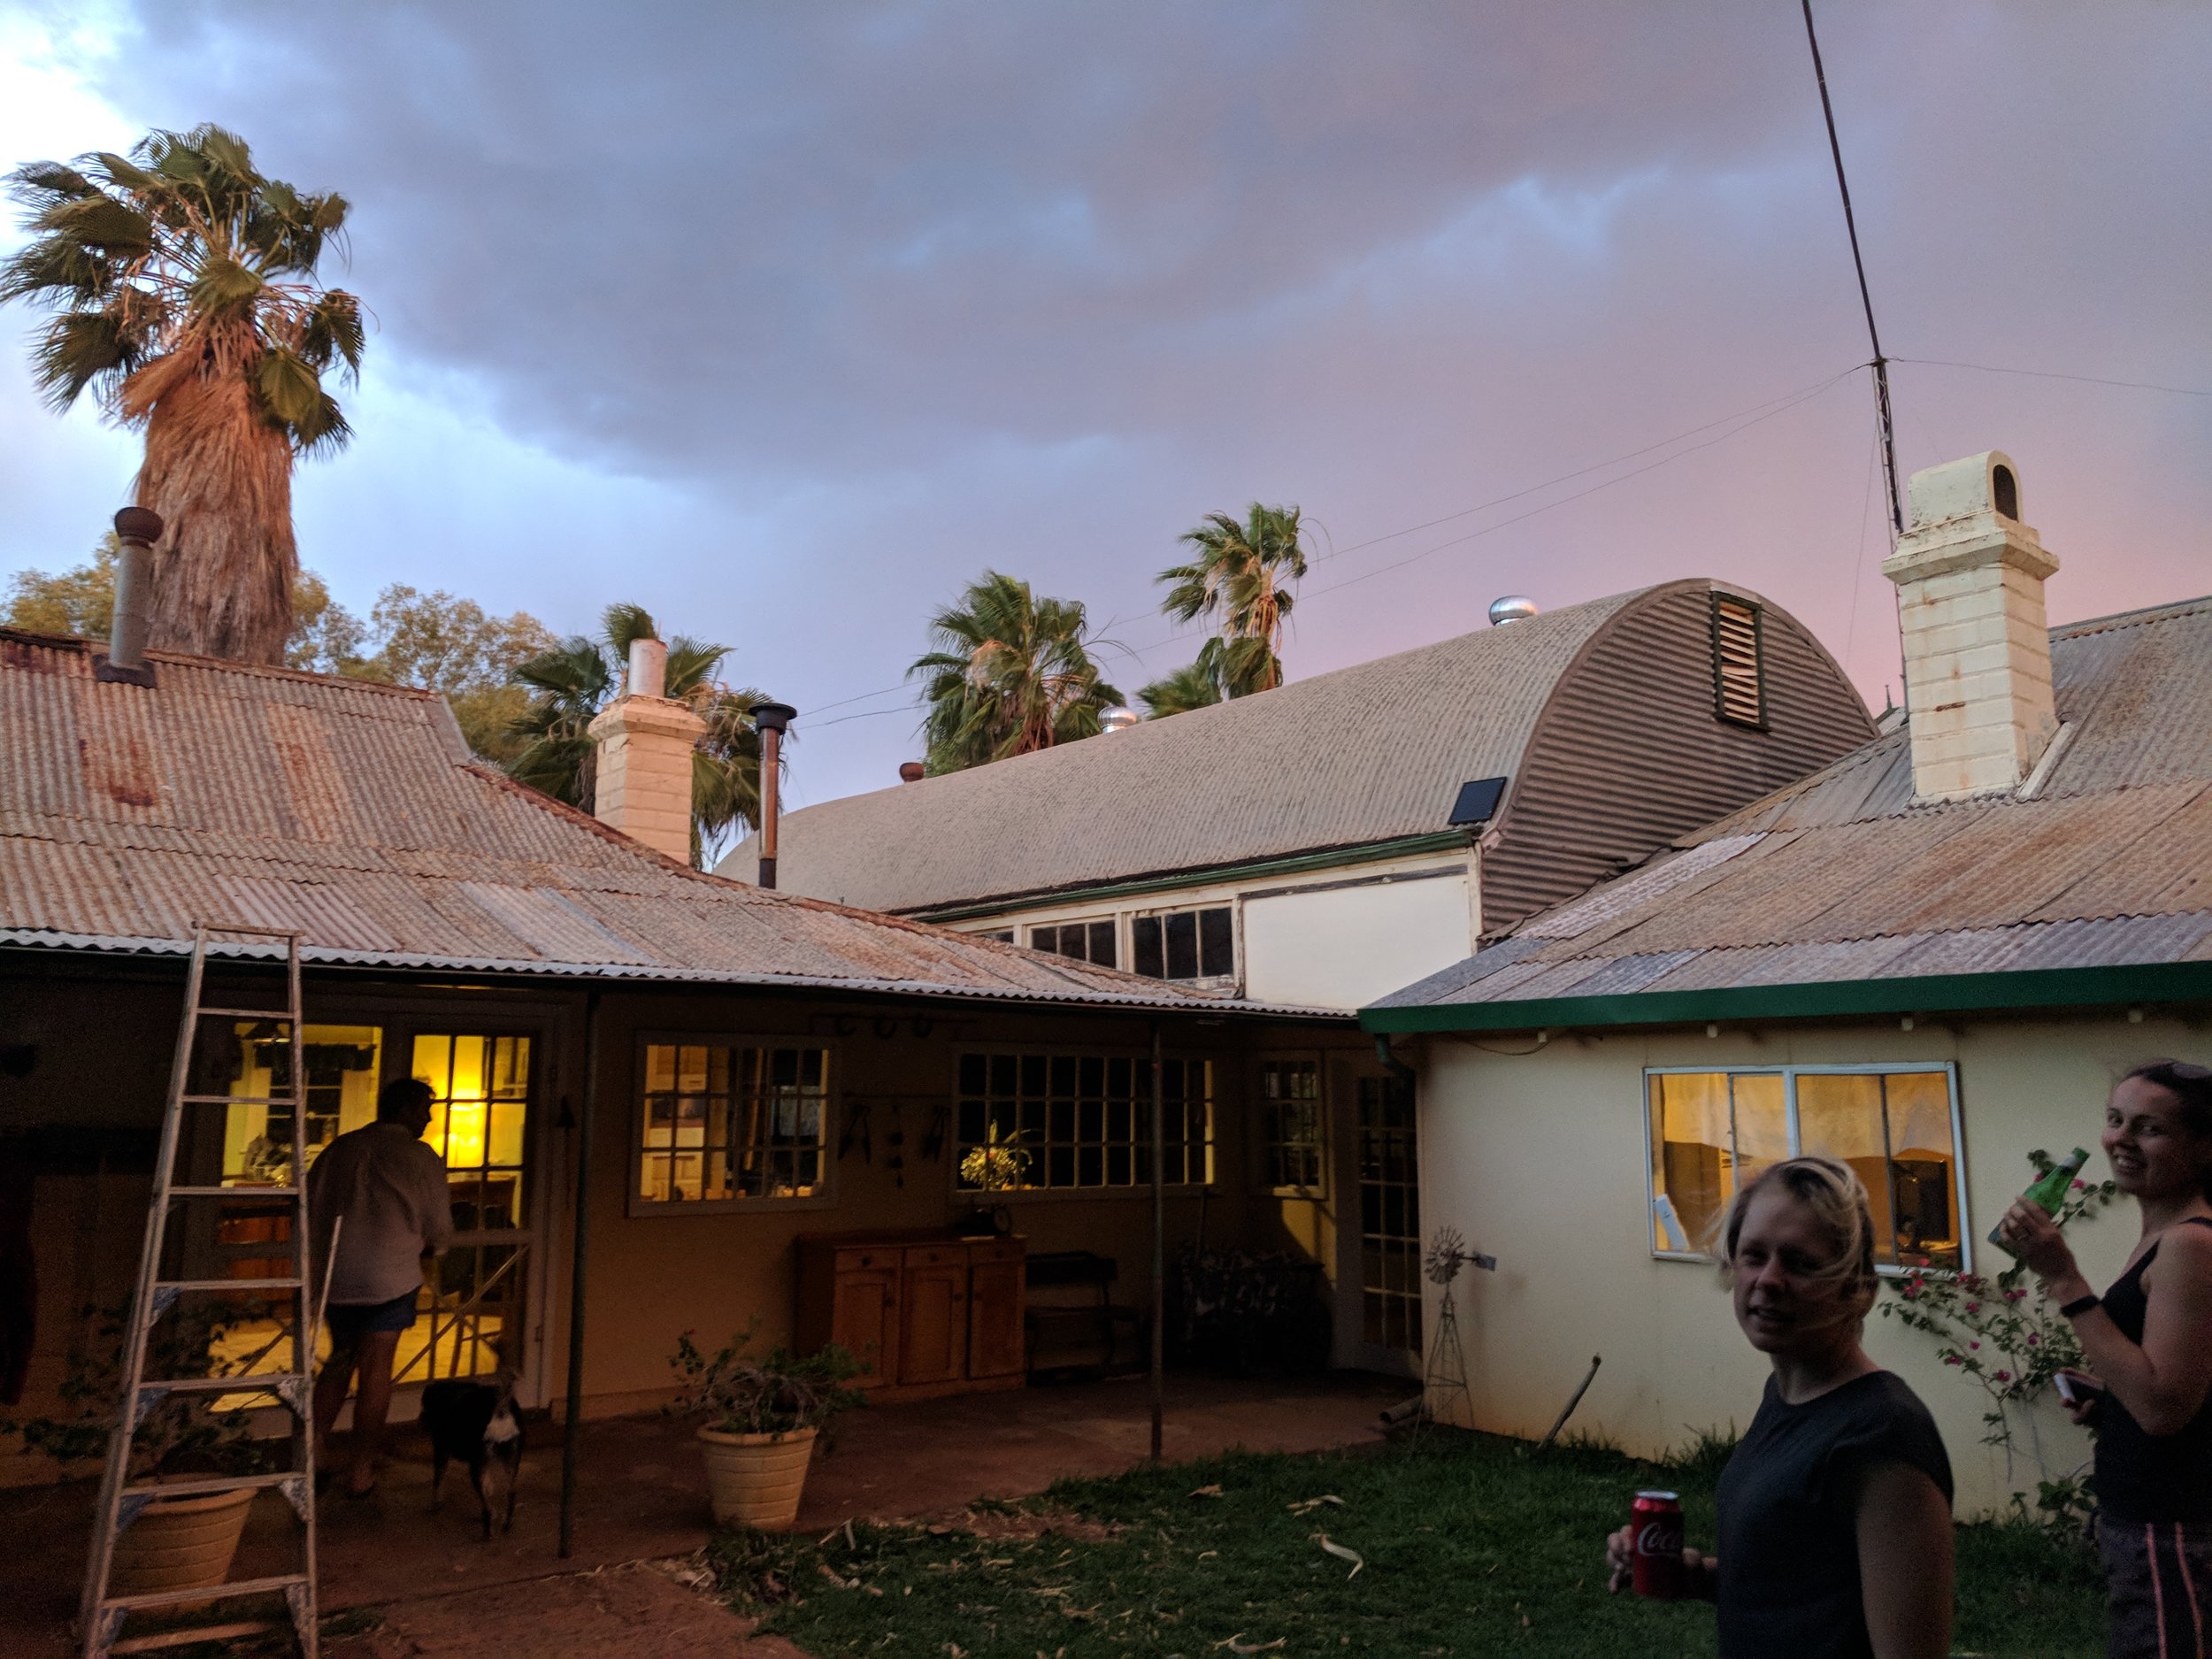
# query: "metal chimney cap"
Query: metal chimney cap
1118,720
1512,607
138,524
773,717
912,772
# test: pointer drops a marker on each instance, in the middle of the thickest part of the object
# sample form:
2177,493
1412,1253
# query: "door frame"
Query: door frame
1353,1351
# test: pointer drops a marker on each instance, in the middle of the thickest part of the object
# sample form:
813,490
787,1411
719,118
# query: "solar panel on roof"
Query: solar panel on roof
1478,801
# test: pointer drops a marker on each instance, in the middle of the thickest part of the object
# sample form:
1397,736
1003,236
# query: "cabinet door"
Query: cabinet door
933,1323
865,1319
995,1347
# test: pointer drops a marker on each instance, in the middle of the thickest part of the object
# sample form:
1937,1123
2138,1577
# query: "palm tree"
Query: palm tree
1239,574
1191,687
580,676
1010,673
182,284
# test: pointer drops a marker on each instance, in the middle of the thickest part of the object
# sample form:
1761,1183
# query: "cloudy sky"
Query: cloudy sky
785,322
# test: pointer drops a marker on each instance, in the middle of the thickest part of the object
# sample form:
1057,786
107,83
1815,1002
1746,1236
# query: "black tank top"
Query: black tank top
2150,1477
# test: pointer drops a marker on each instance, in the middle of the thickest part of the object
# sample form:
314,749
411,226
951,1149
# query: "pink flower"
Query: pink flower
1952,1359
1973,1307
2080,1184
2033,1339
2004,1376
1973,1345
2014,1295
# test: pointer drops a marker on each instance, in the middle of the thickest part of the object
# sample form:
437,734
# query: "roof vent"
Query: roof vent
1477,801
136,530
1118,720
912,772
1512,607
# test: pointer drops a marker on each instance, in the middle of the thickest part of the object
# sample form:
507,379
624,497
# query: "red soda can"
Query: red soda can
1656,1519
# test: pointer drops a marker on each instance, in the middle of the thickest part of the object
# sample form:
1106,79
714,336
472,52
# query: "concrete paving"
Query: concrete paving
440,1588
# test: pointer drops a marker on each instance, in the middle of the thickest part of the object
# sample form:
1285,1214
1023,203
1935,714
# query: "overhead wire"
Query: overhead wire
2052,375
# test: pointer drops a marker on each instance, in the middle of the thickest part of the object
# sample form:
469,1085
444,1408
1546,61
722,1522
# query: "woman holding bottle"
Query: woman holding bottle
2148,1339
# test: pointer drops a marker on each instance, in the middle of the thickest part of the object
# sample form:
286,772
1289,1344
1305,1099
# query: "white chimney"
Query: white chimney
645,746
1969,579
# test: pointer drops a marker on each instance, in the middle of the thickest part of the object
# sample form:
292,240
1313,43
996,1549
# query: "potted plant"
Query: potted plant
173,1543
995,1166
758,1421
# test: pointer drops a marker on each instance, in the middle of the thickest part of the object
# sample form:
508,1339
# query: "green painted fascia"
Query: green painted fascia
1932,994
1373,852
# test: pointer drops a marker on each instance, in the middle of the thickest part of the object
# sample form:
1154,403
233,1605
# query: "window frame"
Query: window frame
1110,922
1720,710
970,1197
1789,1074
636,1204
1262,1138
1232,980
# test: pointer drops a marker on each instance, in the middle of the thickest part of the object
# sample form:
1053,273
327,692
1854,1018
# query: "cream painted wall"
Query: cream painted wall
1343,947
1539,1158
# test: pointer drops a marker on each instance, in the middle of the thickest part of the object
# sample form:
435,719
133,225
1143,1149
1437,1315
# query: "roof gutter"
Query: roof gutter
1827,999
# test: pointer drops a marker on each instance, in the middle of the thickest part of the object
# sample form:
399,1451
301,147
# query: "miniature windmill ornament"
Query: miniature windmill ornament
1446,1377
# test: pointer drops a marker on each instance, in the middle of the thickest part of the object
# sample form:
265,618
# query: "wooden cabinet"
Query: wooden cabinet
927,1314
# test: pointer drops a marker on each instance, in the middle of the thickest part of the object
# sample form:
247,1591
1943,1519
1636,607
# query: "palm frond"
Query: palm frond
623,625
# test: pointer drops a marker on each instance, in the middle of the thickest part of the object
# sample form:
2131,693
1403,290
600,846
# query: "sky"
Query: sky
788,321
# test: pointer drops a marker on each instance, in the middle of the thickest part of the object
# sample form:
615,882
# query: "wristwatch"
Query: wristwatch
2080,1305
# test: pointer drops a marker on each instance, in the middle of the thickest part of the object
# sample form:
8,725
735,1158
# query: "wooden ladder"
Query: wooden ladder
123,1501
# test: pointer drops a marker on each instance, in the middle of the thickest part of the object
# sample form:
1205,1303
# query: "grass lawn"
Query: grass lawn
1470,1546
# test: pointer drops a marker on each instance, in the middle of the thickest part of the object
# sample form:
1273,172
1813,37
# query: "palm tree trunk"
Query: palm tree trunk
221,478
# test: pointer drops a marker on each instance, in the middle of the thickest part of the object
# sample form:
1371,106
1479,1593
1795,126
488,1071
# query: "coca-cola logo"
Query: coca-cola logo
1659,1538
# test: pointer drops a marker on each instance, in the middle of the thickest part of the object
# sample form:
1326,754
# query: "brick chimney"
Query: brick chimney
1977,649
645,745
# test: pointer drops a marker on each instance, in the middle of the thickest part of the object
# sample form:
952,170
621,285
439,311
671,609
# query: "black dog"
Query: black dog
475,1423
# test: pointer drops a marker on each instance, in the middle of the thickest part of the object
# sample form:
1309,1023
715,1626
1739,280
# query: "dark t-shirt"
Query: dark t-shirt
2140,1477
1787,1526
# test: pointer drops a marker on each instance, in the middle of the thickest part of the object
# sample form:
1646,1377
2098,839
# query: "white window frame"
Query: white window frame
970,1196
1256,1118
1231,980
637,1205
1789,1074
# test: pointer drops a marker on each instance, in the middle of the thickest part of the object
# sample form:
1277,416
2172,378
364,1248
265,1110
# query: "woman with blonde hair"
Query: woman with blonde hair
1834,1512
2150,1338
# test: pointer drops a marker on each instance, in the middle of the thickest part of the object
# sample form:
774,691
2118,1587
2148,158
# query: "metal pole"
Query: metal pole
1159,1241
771,720
571,1429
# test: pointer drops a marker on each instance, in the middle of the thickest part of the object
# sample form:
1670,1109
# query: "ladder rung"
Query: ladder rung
252,1382
234,1192
228,1283
238,1099
204,1593
206,1484
247,1013
199,1633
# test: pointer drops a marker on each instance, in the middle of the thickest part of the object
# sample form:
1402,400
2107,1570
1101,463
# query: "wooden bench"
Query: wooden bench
1088,1277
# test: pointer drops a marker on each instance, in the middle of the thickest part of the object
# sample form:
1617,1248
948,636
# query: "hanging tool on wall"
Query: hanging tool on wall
896,1161
856,1130
933,1137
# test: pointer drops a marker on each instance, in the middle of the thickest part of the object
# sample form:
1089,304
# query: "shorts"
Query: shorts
349,1322
2160,1580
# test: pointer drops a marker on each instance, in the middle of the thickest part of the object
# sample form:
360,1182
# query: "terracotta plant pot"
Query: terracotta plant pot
180,1543
755,1479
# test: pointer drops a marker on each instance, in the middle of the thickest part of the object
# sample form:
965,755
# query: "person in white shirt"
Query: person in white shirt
390,1190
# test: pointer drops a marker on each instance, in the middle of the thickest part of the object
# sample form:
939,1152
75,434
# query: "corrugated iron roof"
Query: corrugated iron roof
350,812
1844,877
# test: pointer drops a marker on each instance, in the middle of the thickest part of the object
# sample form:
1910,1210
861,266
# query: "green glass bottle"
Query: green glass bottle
2048,1193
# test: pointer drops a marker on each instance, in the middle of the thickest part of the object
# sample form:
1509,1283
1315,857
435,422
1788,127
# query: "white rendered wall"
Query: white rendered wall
1343,947
1538,1158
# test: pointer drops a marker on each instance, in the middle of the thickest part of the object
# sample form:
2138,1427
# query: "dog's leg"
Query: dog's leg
476,1479
437,1476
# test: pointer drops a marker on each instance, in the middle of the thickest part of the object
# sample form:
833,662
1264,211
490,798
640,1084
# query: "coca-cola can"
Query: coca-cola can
1655,1520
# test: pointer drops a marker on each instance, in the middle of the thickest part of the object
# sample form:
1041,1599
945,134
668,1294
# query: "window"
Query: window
1896,1126
1084,1121
1184,945
1739,685
732,1124
1291,1124
341,1084
480,1089
1085,942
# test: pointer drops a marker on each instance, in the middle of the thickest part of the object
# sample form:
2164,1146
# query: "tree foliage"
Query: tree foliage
1238,574
1008,674
181,284
1193,686
569,682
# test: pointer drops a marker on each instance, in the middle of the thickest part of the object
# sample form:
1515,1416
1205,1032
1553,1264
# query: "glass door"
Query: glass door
1380,1280
473,1317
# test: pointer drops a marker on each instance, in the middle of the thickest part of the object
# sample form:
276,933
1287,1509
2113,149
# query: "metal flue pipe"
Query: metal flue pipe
771,720
136,530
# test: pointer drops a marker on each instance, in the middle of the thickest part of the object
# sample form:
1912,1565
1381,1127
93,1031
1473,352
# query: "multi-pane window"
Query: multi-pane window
480,1089
1712,1131
1184,945
726,1123
1085,942
1739,687
1078,1121
1291,1148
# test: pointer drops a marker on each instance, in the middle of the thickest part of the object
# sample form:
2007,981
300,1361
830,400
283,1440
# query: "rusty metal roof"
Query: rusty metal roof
1844,879
352,813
